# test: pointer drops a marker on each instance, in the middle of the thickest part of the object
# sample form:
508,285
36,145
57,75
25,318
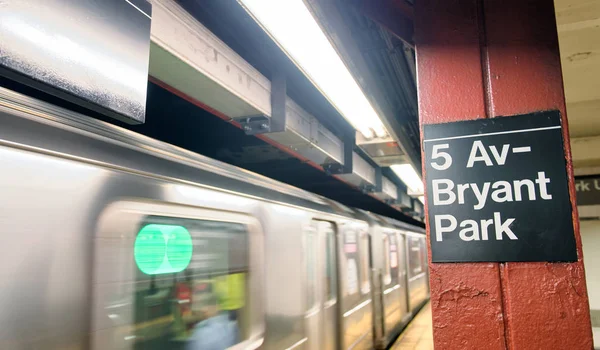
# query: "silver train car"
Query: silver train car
113,240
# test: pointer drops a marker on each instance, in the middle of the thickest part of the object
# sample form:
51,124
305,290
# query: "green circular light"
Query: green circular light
160,249
179,248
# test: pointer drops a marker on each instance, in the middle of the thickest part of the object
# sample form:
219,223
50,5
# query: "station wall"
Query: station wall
590,237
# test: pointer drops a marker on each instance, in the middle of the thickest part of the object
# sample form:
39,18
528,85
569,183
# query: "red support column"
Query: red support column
546,305
492,58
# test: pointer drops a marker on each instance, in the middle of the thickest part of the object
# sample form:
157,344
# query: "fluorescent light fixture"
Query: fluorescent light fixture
292,26
410,177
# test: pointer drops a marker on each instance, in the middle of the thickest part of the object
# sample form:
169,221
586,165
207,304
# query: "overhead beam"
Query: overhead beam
585,152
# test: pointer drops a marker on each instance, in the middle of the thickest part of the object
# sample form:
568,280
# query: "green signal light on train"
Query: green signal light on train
160,249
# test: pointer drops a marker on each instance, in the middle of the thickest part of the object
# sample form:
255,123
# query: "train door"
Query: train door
417,270
321,276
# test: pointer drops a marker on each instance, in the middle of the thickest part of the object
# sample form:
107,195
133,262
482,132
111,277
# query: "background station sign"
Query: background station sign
588,190
497,190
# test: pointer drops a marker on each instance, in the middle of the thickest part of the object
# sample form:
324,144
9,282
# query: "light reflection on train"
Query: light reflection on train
112,240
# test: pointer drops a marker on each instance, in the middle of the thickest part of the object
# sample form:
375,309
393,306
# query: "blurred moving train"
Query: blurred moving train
113,240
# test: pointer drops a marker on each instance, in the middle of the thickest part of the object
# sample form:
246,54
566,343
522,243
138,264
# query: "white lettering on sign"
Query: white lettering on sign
446,192
497,190
479,154
473,230
584,186
436,153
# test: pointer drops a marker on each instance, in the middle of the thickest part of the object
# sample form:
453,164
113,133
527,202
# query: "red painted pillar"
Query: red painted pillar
487,59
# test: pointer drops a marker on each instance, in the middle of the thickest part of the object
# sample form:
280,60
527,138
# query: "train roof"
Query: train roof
46,128
390,222
52,129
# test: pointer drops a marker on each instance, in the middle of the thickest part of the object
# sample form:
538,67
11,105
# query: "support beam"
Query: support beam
261,124
585,152
450,88
189,60
535,293
348,154
487,59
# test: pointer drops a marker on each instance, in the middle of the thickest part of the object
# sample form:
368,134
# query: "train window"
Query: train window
387,269
352,277
424,253
191,285
415,258
393,252
311,269
351,251
365,285
330,281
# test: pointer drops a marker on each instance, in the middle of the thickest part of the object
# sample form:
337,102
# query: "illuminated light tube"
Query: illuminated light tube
410,177
292,26
160,249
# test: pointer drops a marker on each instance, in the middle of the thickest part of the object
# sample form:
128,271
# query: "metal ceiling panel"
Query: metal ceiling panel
389,191
187,56
363,174
305,135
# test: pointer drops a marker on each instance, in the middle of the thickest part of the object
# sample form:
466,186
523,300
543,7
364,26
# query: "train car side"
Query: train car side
133,243
401,290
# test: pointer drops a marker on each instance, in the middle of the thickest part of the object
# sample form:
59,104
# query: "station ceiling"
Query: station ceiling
389,62
214,50
579,38
383,65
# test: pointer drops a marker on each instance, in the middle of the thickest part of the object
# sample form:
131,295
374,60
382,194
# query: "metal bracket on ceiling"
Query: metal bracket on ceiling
369,188
404,200
415,209
260,124
255,124
345,168
418,208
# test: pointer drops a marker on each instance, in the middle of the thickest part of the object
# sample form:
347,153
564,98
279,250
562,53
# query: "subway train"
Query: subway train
113,240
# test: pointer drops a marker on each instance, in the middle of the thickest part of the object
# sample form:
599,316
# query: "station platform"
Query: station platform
418,334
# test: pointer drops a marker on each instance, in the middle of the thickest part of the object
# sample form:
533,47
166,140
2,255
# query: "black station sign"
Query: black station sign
497,190
588,190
